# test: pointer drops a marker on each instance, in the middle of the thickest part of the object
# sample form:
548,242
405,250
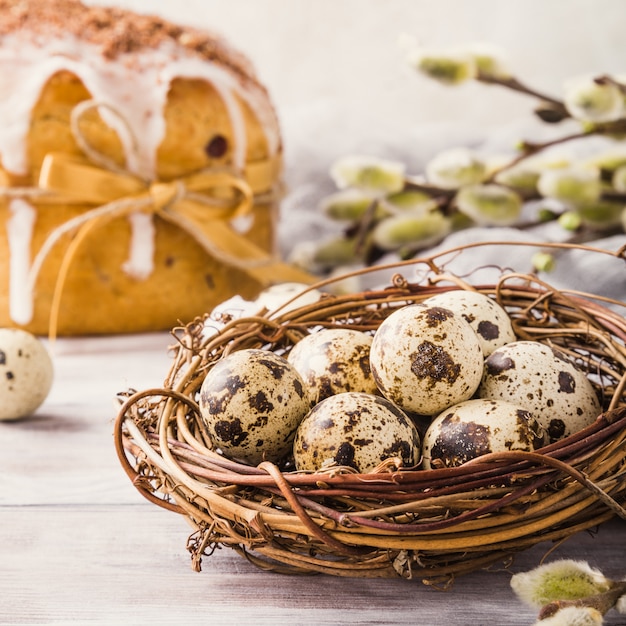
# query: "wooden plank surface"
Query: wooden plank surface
78,545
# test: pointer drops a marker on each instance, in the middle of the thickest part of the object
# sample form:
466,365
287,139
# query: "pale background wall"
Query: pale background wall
341,84
307,50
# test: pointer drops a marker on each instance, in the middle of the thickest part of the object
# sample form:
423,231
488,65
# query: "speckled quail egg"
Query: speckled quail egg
251,402
26,373
334,360
357,430
475,427
544,381
425,359
490,321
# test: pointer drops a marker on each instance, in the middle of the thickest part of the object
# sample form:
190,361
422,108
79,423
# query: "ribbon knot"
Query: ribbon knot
221,194
165,194
200,204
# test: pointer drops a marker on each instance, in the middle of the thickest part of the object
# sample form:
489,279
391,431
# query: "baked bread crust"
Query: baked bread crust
192,103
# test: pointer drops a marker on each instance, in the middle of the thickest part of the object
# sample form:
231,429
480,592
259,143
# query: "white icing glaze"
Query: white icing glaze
140,261
20,232
136,87
138,90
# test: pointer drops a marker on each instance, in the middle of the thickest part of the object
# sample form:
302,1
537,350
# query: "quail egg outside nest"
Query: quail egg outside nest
26,373
251,403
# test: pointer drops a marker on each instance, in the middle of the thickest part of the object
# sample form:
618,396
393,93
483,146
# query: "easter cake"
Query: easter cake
140,166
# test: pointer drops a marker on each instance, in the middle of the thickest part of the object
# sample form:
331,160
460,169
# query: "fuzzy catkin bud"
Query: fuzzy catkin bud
489,205
570,220
564,579
371,174
599,215
571,185
521,177
454,168
543,261
403,201
348,205
318,257
447,66
489,61
335,252
410,230
589,101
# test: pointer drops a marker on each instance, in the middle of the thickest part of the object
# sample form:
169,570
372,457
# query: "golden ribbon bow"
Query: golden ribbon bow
200,204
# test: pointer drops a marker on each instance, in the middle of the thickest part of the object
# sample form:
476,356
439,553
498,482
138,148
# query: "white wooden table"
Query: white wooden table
78,544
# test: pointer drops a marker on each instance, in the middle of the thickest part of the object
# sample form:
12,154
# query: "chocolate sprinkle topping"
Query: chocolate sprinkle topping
116,31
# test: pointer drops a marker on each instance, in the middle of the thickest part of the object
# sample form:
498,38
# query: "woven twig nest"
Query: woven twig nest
431,525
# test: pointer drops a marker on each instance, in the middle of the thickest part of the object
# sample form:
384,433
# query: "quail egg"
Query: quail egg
357,430
425,359
26,373
476,427
334,360
544,381
251,402
490,321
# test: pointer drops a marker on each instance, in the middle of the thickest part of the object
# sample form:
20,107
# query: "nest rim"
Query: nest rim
284,521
